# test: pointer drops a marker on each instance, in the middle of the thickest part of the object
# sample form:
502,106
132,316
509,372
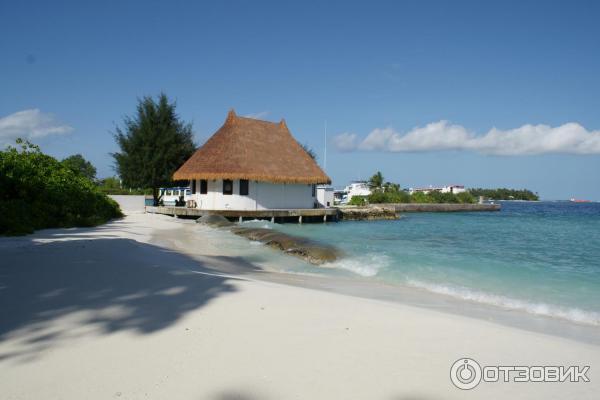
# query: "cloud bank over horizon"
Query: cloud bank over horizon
569,138
30,124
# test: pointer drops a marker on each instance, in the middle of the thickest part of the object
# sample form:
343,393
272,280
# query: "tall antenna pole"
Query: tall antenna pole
325,156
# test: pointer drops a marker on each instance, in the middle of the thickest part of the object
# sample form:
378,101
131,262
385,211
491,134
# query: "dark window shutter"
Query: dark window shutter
244,187
227,186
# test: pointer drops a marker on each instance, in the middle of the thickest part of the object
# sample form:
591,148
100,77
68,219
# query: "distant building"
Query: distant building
455,189
250,164
325,195
355,188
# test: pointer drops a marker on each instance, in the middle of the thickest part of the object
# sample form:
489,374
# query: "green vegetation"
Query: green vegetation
376,181
153,143
112,185
387,192
505,194
80,166
438,197
37,191
399,196
358,201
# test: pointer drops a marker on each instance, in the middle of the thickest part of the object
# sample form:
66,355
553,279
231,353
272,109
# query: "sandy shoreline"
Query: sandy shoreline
119,311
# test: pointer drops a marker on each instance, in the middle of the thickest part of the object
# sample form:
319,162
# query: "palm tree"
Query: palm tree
376,181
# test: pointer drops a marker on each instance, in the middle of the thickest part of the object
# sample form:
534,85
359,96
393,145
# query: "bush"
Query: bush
357,201
438,197
505,194
466,197
37,191
112,185
389,196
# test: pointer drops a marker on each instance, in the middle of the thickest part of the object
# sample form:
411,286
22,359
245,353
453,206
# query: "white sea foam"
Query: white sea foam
544,309
258,223
367,265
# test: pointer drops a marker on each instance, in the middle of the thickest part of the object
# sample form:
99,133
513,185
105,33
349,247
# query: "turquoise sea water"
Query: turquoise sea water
538,257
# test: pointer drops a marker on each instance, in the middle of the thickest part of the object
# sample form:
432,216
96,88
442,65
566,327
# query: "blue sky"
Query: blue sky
382,74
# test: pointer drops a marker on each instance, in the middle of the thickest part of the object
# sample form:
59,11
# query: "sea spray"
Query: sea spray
368,265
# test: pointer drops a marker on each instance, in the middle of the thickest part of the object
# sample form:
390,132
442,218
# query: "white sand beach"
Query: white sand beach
122,311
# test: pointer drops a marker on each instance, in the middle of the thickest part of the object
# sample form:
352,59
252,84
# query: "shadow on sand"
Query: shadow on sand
107,284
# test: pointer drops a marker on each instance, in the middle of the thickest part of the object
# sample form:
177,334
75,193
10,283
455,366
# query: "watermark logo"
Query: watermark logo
466,373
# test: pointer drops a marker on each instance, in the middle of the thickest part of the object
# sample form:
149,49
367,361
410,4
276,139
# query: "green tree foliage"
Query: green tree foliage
466,197
112,185
505,194
376,181
420,197
358,201
37,191
154,144
400,196
80,166
388,192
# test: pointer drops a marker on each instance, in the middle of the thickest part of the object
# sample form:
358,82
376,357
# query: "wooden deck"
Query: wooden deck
276,215
350,213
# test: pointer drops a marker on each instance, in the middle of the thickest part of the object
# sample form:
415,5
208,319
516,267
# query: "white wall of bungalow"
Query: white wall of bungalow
231,195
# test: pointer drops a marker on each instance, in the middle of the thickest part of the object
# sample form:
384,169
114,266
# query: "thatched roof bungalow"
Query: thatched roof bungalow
249,164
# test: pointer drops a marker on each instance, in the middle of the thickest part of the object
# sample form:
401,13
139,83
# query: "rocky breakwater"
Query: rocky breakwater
368,213
311,251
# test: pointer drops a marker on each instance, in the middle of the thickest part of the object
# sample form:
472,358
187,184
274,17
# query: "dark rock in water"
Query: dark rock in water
315,253
214,220
257,234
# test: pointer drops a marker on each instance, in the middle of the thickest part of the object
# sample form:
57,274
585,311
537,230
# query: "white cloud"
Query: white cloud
30,124
570,138
258,115
345,141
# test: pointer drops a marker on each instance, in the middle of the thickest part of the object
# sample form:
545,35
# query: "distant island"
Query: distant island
388,192
505,194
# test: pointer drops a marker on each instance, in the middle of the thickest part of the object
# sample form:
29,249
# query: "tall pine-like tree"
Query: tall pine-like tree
153,143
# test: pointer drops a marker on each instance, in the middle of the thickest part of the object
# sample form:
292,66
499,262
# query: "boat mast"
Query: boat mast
325,155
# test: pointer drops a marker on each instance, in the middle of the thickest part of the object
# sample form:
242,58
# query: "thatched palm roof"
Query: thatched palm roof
246,148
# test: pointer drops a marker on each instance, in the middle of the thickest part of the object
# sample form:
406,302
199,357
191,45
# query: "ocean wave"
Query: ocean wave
258,223
368,265
549,310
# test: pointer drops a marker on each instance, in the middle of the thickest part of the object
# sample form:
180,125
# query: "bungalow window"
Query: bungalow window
243,187
203,186
314,190
194,186
227,186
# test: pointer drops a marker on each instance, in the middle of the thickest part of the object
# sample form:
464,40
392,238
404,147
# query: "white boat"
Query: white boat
355,188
